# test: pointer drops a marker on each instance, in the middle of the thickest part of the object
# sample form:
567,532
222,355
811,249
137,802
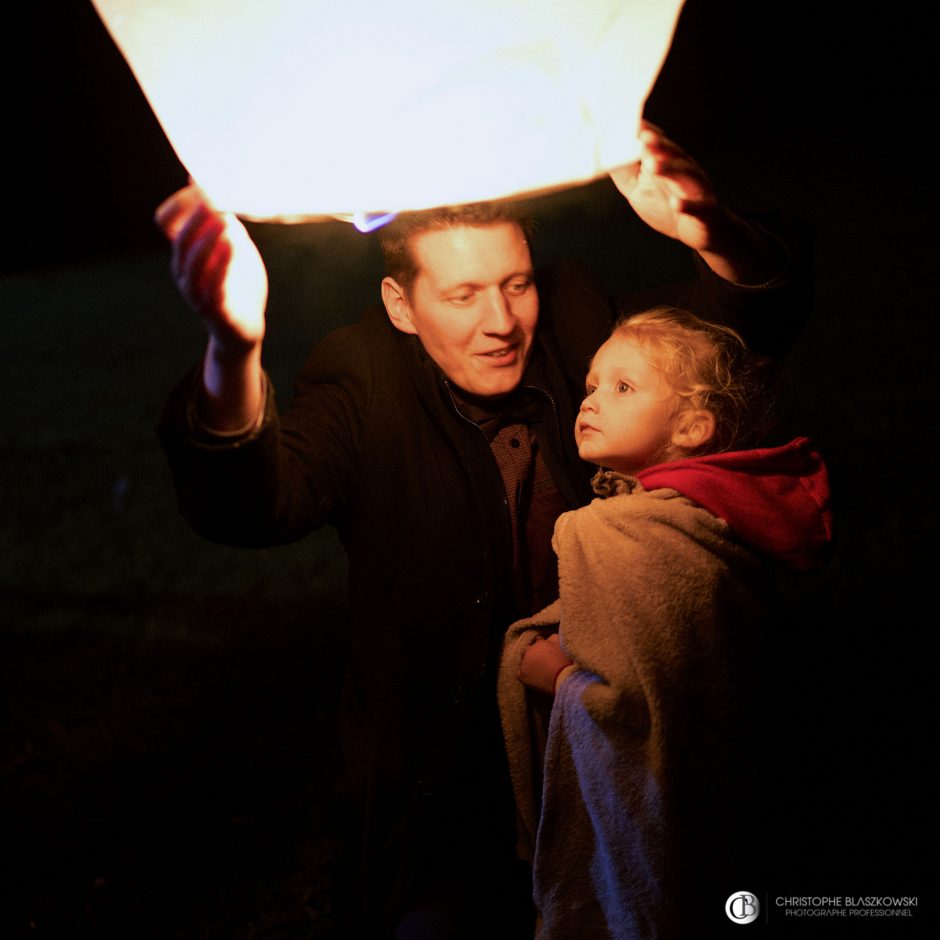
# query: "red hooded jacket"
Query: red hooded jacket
775,499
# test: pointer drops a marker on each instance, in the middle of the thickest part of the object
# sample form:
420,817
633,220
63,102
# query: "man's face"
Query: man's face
473,304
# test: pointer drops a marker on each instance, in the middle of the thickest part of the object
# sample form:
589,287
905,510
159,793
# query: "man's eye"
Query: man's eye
518,287
461,300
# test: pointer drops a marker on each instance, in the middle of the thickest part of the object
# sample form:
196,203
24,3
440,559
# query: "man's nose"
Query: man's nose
499,318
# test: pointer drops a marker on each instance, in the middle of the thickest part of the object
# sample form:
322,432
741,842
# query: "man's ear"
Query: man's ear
694,428
397,306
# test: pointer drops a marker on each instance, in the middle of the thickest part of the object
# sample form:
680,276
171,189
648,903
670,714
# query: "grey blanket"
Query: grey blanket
657,608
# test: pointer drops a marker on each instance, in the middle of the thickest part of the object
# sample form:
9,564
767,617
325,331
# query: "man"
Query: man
436,436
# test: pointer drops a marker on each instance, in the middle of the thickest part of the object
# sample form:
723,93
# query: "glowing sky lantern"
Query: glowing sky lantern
290,109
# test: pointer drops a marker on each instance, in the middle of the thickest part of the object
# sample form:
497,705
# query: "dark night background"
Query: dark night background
166,743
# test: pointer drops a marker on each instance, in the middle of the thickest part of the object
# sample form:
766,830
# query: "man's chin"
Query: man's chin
497,389
496,385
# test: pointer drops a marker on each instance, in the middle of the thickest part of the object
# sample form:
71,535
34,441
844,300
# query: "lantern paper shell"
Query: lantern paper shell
293,109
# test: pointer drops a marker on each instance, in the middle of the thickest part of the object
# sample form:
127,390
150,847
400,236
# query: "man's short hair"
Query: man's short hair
398,236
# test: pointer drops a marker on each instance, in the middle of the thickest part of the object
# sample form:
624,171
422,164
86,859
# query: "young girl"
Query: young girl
633,819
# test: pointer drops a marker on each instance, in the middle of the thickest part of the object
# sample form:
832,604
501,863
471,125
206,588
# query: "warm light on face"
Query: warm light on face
628,415
301,108
474,305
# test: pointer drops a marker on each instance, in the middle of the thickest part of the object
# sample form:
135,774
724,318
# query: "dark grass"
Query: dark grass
168,752
169,757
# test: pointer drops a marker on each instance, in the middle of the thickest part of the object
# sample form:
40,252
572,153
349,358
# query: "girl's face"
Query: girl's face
629,414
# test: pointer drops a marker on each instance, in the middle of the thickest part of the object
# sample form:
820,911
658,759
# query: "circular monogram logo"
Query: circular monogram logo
742,907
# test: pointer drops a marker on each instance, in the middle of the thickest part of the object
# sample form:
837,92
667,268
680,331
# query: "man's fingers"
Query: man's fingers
192,249
184,242
662,157
625,177
173,213
650,127
212,276
656,143
168,212
684,181
197,226
673,166
704,209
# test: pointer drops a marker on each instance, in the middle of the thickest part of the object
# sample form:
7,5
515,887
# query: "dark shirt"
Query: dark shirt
533,499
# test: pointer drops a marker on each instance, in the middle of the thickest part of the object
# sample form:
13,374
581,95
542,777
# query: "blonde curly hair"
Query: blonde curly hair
710,368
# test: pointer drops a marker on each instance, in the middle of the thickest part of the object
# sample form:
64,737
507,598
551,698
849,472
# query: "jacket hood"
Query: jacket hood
776,499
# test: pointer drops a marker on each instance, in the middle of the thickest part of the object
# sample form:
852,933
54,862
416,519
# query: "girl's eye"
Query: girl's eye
589,390
623,387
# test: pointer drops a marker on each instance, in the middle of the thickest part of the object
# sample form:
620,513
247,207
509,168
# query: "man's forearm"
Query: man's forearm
232,394
743,253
